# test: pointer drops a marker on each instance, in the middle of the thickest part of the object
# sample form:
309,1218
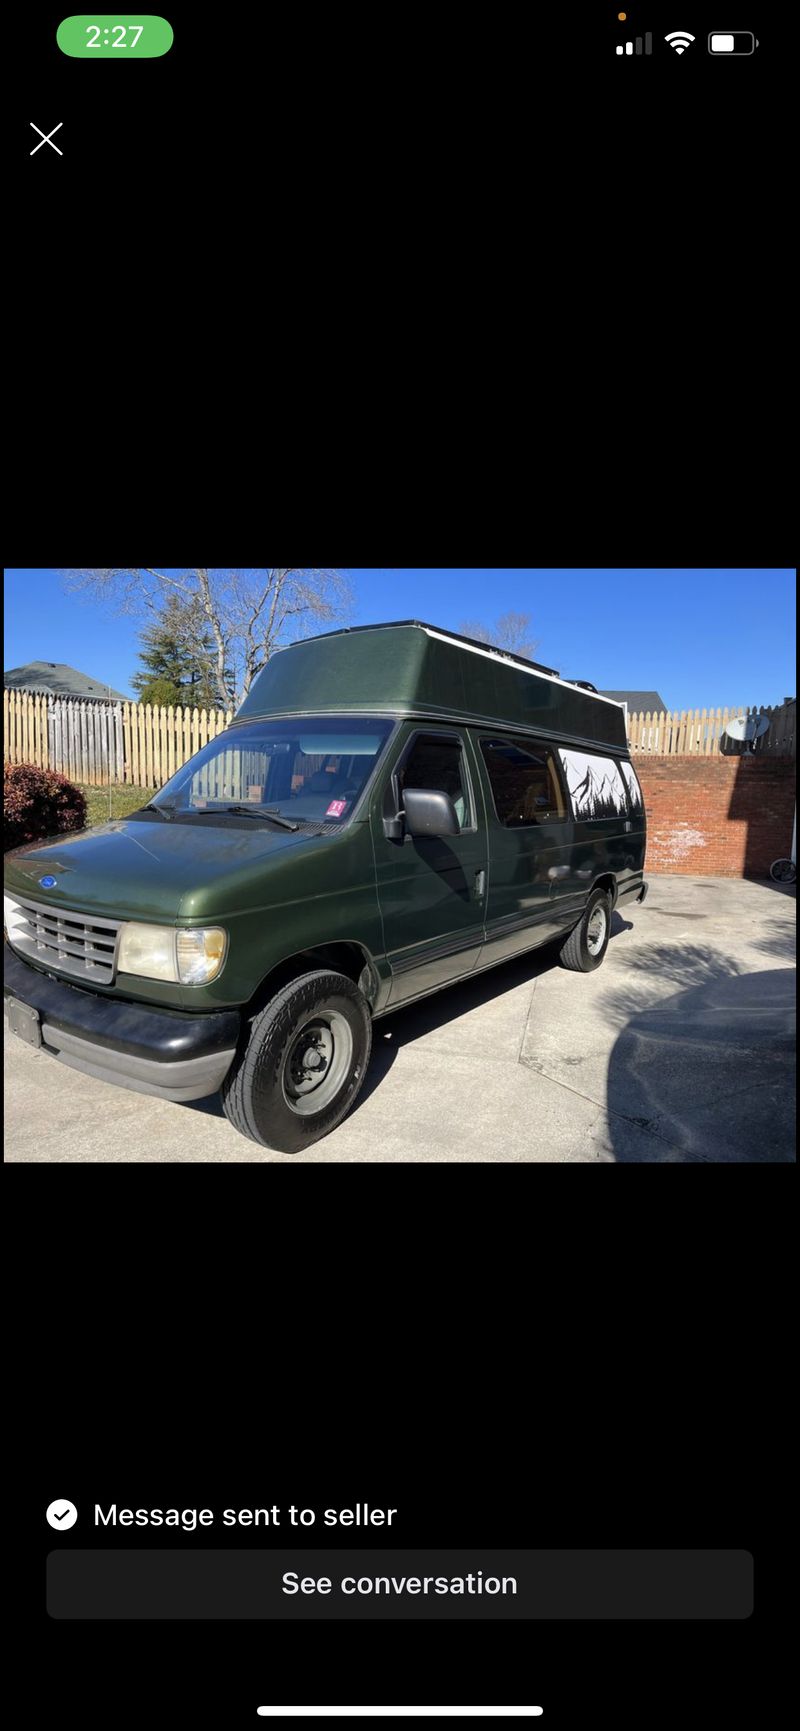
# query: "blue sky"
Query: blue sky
702,637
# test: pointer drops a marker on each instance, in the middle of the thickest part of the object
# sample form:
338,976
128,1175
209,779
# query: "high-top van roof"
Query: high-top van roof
410,668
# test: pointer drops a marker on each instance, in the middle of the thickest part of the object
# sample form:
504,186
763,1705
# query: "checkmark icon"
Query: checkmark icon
61,1514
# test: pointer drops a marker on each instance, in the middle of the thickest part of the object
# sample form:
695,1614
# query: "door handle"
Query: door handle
480,885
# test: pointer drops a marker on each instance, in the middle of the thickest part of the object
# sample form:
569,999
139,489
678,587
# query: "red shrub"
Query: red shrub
37,803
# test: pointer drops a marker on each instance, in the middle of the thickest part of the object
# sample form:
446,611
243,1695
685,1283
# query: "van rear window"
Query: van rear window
635,794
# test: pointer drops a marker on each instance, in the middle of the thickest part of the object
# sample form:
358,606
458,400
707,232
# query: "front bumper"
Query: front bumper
152,1051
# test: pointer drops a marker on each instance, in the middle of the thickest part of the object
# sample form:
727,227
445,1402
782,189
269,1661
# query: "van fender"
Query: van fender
606,881
349,957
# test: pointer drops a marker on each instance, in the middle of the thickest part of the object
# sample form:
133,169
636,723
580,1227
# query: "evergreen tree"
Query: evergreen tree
160,690
176,660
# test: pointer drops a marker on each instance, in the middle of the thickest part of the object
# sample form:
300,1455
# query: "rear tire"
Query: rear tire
303,1065
585,948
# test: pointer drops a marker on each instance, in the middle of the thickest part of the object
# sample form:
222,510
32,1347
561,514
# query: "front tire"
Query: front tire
303,1065
585,948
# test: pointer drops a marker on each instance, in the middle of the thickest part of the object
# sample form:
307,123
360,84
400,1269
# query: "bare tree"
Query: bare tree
512,631
247,613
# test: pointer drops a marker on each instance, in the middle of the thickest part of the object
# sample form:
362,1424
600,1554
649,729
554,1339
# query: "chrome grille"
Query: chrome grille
57,938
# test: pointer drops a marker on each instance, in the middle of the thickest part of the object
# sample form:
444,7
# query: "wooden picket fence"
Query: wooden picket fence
701,732
96,743
143,744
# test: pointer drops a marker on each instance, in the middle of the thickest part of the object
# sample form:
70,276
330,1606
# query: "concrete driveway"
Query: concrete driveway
680,1048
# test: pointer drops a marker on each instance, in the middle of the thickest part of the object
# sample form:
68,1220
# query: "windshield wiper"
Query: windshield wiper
163,810
255,811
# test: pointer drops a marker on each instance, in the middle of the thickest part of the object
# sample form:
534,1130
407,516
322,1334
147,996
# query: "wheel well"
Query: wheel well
343,958
607,881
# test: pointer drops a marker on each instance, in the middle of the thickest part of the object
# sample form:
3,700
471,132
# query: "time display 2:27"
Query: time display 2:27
88,36
119,34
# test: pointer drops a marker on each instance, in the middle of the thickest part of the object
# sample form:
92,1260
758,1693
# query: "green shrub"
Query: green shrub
37,803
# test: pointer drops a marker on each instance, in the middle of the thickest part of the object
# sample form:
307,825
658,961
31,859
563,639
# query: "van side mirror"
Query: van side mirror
429,812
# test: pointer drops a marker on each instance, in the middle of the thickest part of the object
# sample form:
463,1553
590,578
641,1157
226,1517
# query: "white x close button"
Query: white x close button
47,138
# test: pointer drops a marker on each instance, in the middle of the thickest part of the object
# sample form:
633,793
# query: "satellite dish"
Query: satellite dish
747,727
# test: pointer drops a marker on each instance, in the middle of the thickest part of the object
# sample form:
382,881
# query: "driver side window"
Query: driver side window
438,763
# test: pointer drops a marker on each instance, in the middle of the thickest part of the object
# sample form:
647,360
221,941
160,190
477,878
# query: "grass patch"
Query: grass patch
123,800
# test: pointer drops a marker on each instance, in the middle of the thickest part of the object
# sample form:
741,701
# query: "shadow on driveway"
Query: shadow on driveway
709,1070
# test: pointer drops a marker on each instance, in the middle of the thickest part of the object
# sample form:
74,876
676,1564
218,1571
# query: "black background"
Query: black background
485,281
483,267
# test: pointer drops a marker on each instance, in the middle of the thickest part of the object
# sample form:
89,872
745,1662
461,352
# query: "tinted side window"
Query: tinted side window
526,786
438,763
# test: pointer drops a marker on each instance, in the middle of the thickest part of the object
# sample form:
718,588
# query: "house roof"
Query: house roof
638,701
62,680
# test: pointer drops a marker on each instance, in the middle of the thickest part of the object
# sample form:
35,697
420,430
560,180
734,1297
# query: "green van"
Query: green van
394,808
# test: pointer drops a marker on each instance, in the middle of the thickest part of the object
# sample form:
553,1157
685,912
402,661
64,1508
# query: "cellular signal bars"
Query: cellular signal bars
629,49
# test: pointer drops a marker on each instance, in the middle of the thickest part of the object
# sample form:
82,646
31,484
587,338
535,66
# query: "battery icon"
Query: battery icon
732,42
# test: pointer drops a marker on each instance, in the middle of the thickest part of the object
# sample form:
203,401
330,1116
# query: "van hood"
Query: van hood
155,870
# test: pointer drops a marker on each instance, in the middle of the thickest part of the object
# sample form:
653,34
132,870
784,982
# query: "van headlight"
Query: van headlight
201,953
189,956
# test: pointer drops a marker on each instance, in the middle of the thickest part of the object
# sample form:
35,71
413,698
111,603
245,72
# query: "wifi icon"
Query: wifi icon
679,40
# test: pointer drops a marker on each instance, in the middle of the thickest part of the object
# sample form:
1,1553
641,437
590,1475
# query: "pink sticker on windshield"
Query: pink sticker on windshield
337,808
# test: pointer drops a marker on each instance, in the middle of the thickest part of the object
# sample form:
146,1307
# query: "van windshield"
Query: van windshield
311,769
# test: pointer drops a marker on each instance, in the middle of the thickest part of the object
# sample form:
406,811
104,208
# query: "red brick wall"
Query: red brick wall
717,816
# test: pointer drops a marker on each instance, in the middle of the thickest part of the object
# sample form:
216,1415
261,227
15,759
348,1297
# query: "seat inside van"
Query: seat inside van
343,782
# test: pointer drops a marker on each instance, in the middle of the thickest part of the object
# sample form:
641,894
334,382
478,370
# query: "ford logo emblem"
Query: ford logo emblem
47,883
